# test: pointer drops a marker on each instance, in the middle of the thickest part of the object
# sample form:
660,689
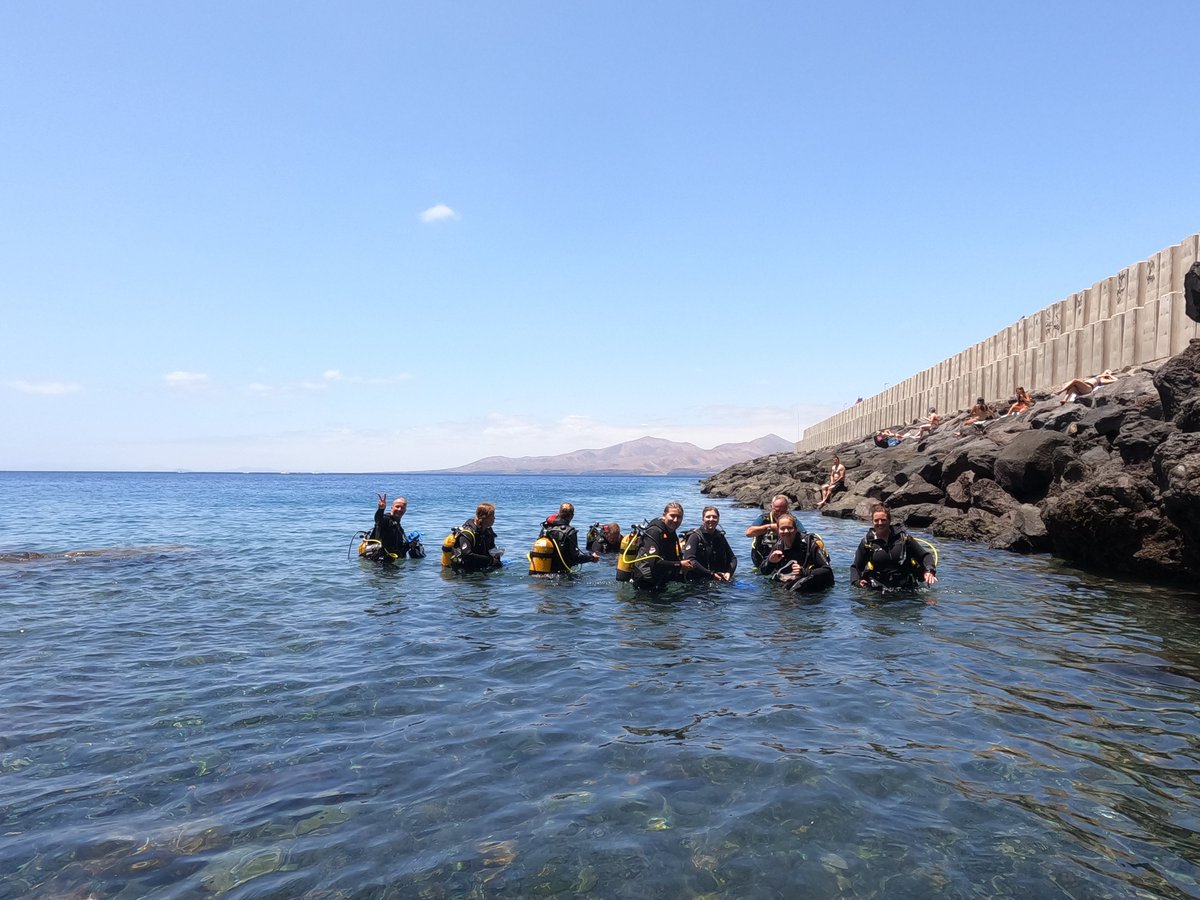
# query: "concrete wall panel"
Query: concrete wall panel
1135,317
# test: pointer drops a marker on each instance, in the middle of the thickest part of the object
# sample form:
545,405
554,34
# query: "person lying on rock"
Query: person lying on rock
1081,387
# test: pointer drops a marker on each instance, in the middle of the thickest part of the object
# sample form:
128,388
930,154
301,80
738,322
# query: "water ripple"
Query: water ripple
207,719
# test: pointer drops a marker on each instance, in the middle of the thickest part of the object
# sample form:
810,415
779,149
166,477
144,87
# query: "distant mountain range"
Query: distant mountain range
645,456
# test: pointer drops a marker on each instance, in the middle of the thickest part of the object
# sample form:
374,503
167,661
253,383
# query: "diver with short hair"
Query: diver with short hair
558,529
763,531
475,545
387,540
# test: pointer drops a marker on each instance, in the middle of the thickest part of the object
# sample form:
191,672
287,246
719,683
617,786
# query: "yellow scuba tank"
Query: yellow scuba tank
629,547
448,548
541,556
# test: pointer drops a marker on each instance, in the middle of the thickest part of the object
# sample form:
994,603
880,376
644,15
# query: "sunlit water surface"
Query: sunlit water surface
236,707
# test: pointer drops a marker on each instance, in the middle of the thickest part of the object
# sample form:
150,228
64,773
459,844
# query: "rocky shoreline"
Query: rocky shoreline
1110,481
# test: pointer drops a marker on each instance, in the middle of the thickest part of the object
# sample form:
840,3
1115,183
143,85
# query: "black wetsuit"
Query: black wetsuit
710,555
390,533
566,539
815,572
657,560
599,543
895,562
472,548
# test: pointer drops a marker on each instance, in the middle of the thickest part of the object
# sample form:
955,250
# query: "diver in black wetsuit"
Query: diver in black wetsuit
393,542
475,545
708,550
889,558
604,538
558,529
798,561
657,561
763,531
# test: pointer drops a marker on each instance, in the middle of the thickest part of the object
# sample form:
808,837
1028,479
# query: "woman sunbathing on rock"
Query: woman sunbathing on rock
1022,403
1080,387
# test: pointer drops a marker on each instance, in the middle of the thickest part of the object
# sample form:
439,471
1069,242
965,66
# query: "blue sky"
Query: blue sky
397,236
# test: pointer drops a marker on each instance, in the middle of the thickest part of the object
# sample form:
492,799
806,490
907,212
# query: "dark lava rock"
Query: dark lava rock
1115,522
1178,380
923,468
977,457
972,525
1025,468
1140,437
922,515
915,490
989,497
958,492
1135,390
1177,471
1105,420
1191,292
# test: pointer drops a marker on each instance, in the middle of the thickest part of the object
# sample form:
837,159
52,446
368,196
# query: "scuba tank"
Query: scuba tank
448,548
629,548
541,556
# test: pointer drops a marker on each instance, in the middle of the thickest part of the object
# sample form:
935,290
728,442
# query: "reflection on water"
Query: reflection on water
267,718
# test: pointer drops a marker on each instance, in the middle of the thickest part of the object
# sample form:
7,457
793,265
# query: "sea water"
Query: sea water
228,702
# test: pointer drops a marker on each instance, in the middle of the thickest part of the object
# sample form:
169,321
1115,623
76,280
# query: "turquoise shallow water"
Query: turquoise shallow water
237,708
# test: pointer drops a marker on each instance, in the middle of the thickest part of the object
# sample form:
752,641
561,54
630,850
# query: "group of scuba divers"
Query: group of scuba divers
655,554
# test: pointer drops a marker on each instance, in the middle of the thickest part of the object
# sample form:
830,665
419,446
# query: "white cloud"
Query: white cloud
332,375
439,213
45,388
185,379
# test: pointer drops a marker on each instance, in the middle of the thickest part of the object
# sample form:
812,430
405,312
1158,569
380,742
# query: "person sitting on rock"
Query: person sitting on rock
1022,403
980,412
836,482
1081,387
932,421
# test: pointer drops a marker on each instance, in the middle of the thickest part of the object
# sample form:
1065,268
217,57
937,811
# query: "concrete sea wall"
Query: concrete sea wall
1135,317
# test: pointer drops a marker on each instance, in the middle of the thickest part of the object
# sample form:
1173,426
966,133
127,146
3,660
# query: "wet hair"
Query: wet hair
707,508
566,512
613,529
795,524
674,504
880,508
485,510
